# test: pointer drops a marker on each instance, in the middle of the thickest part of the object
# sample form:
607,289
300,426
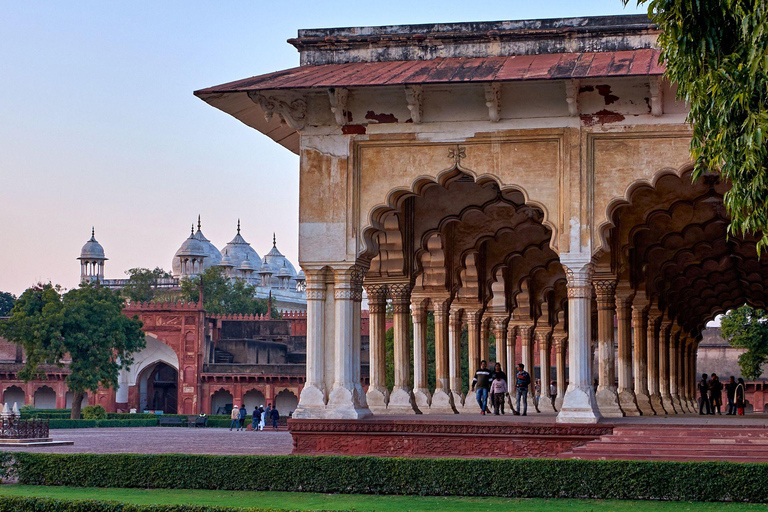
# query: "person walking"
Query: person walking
730,392
552,391
275,416
536,394
268,411
235,417
482,382
716,394
739,396
498,390
243,414
522,381
255,419
262,417
704,395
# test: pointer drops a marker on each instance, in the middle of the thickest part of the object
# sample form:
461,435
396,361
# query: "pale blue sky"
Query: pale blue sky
98,124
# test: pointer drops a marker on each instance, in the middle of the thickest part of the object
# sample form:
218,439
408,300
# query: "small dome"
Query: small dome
246,265
92,250
277,261
225,260
212,254
284,272
301,276
192,247
203,248
265,269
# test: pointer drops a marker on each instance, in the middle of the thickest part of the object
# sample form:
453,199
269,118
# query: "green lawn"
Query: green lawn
314,501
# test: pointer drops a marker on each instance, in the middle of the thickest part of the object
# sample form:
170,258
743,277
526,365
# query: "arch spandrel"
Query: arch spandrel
621,163
389,172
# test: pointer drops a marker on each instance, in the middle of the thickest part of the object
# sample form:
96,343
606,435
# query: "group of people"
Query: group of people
711,395
259,419
492,385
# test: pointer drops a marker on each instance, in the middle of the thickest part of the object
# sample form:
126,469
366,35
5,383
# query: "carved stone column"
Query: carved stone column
346,400
442,401
378,394
510,358
664,373
639,355
674,370
652,345
561,348
624,297
473,340
606,396
421,395
527,335
485,336
313,395
579,405
692,374
401,398
500,333
543,338
454,356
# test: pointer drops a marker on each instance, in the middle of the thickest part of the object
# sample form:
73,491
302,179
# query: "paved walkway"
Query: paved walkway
213,441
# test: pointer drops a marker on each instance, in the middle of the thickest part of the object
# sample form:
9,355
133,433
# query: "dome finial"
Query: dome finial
238,226
198,222
193,229
93,231
274,240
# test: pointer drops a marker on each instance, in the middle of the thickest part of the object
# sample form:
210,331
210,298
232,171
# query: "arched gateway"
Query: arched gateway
527,179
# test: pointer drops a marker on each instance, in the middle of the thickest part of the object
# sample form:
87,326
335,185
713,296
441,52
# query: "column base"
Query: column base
628,403
442,403
400,402
377,398
346,404
422,398
608,403
644,404
458,401
668,404
545,404
311,403
658,407
694,404
579,407
559,402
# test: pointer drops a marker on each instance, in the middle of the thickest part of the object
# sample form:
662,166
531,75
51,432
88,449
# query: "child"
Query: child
498,390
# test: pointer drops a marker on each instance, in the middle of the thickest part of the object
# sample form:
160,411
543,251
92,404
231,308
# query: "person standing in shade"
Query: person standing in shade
243,414
739,396
482,382
730,392
704,395
522,381
255,419
716,393
235,417
552,391
498,390
536,394
262,417
275,416
268,412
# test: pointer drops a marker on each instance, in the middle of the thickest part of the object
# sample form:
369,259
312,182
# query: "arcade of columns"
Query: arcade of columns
546,207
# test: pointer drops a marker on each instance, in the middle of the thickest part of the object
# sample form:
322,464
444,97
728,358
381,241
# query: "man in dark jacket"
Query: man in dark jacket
243,414
704,395
482,381
275,417
730,391
522,381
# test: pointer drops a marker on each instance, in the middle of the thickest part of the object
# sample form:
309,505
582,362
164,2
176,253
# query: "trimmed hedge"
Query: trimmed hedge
514,478
56,424
29,504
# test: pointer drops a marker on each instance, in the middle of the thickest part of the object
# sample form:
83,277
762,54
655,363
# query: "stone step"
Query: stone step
669,457
687,451
728,441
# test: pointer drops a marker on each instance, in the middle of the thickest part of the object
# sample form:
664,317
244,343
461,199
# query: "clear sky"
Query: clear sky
99,127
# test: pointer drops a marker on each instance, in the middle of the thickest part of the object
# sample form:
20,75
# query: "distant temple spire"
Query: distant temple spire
238,226
93,231
274,240
193,229
198,222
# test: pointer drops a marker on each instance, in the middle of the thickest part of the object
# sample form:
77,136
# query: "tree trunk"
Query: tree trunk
77,402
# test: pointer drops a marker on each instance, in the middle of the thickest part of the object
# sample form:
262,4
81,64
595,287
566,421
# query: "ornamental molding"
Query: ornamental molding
400,293
657,96
493,100
572,97
315,294
414,98
338,97
291,112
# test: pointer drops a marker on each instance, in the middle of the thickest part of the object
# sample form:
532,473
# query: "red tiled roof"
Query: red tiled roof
552,66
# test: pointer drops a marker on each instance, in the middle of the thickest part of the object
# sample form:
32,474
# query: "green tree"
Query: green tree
747,328
86,323
142,284
222,295
7,300
716,52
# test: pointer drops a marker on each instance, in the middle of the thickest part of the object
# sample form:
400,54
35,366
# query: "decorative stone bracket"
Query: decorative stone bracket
293,114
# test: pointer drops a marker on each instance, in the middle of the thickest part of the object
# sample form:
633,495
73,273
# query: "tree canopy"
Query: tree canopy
222,295
86,324
142,284
747,328
7,300
716,52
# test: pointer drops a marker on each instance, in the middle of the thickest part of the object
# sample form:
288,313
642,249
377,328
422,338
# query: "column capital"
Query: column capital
349,282
605,290
625,294
473,315
499,322
543,334
377,293
400,292
578,274
441,306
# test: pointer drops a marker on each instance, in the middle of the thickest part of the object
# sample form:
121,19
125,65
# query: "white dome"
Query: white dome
212,254
278,265
92,250
239,250
192,247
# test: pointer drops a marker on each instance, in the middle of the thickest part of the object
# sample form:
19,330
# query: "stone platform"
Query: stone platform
47,441
432,437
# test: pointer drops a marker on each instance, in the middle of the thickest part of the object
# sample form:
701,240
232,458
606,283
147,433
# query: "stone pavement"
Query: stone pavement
213,441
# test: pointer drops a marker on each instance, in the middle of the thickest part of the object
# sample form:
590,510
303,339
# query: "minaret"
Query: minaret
92,260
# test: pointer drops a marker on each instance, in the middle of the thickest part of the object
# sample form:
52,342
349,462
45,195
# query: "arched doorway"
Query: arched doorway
45,398
253,399
221,402
286,402
13,395
158,388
